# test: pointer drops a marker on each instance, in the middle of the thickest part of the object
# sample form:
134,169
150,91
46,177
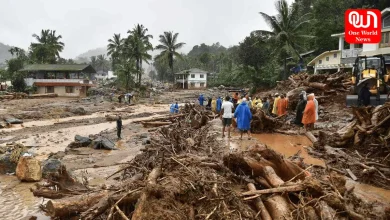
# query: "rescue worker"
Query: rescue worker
219,104
201,100
244,116
282,106
275,106
214,105
119,127
309,114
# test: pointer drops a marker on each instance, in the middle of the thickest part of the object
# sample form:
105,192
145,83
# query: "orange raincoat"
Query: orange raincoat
282,106
309,115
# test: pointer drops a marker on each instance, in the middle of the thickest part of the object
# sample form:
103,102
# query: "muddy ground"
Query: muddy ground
51,124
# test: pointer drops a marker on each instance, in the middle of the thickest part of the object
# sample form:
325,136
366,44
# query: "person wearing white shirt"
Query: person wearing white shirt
226,115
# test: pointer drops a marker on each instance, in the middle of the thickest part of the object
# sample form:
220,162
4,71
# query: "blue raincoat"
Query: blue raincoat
176,108
219,104
201,100
172,109
244,116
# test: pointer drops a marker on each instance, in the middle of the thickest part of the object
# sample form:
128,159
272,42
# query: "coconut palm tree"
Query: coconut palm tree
48,47
101,62
168,45
114,48
138,45
285,27
93,62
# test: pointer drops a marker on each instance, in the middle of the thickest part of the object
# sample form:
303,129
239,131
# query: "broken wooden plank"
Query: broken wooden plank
351,174
311,137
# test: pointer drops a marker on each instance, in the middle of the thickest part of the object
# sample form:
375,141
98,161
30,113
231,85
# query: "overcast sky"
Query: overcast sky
88,24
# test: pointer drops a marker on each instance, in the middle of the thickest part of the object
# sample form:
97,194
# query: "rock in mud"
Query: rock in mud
6,164
50,166
29,169
146,141
78,111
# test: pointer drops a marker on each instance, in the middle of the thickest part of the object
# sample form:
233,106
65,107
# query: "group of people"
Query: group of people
307,111
228,111
174,109
125,97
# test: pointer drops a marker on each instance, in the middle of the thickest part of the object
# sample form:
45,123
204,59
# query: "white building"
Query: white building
329,60
191,79
368,49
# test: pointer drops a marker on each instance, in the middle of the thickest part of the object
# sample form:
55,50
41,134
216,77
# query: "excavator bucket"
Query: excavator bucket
352,100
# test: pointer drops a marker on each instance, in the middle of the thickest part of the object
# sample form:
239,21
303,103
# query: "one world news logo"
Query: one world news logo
362,26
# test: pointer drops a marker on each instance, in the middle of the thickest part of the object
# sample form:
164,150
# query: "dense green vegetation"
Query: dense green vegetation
259,60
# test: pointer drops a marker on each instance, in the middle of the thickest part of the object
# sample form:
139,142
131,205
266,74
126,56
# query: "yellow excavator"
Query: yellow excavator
370,71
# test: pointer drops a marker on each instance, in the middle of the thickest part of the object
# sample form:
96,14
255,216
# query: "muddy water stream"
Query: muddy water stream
287,145
17,201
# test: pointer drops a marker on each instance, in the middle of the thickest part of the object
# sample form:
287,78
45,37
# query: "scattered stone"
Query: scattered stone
78,111
6,164
29,169
60,132
50,166
144,135
146,141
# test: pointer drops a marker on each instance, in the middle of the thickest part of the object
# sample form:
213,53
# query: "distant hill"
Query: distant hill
85,57
4,54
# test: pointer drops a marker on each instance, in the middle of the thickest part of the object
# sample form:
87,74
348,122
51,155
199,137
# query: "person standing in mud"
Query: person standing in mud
201,100
176,108
219,104
226,115
119,127
275,106
309,114
300,109
282,106
265,106
244,116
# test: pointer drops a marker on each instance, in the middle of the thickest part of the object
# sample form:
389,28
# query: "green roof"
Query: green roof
59,68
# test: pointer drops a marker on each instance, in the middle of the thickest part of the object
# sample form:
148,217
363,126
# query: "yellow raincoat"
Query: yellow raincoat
214,105
275,107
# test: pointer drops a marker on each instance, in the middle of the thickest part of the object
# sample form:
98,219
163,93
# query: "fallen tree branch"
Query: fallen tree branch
292,188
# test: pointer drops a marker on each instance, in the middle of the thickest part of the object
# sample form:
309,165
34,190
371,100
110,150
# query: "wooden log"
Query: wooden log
164,118
311,137
278,207
271,177
138,213
72,205
263,182
347,131
259,204
316,85
48,193
48,95
282,189
153,124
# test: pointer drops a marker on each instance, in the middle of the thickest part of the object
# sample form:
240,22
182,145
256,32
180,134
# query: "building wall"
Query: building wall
61,91
332,60
197,80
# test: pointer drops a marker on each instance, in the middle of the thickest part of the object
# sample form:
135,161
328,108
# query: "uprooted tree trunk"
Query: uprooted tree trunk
73,205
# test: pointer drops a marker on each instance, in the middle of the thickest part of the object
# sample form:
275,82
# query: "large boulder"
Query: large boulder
6,164
51,166
28,169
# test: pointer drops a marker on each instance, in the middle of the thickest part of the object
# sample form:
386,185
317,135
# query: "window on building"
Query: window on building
385,42
386,22
327,58
320,62
49,89
192,85
335,55
201,84
69,89
201,76
192,75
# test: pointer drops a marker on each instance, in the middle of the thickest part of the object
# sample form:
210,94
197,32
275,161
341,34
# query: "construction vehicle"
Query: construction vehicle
370,71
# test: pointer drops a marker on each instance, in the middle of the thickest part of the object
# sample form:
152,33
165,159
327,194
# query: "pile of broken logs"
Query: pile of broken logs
325,86
13,95
367,134
186,173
